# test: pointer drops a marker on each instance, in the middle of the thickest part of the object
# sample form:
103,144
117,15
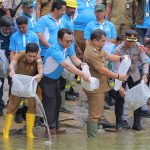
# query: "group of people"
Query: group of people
46,33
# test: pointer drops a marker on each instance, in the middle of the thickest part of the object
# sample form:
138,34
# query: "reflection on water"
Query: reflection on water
126,140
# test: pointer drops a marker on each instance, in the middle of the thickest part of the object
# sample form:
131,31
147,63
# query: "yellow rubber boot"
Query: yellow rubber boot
8,122
30,119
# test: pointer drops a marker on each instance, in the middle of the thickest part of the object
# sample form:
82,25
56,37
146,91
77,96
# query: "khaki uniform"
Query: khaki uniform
45,6
23,67
96,59
122,14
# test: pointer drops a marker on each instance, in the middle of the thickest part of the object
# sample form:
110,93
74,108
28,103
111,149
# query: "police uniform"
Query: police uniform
122,14
138,58
25,68
96,59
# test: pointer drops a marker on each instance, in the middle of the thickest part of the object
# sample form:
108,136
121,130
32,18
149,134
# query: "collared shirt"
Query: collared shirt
146,22
68,22
4,42
49,27
54,56
31,22
19,41
137,57
107,27
84,14
25,68
95,60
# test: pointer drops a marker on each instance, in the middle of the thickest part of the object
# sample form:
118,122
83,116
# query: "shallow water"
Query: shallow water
125,140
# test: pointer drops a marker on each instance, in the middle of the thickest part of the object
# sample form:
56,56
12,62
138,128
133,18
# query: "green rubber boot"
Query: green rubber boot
64,107
92,129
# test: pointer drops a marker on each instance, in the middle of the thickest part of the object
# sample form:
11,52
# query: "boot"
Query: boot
8,122
64,107
118,122
30,119
92,129
137,116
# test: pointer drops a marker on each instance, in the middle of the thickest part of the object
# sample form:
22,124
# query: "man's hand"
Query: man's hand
122,91
144,77
142,48
12,73
38,77
85,77
122,77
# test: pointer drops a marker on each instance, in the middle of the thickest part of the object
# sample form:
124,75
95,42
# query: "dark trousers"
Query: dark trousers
51,100
119,101
141,34
1,91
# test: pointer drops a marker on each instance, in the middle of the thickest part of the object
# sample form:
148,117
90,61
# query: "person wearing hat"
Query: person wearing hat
96,59
130,47
102,24
27,7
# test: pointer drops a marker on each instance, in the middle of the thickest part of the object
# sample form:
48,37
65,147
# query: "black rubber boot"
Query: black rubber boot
137,117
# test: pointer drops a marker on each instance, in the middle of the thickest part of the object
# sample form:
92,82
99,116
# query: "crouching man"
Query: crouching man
28,63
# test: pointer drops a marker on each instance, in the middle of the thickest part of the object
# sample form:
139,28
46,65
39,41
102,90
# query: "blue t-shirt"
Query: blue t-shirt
68,22
146,23
107,27
18,41
49,28
84,14
54,56
31,21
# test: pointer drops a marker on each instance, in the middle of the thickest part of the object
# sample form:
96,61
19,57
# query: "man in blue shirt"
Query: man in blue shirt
48,25
84,15
102,24
54,63
142,19
21,38
27,7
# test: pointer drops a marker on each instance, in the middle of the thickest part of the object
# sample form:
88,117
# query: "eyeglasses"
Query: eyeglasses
68,41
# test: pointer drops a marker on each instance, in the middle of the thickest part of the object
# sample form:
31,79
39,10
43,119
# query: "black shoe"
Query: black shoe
1,112
137,127
72,92
119,126
70,97
145,113
125,124
18,118
105,123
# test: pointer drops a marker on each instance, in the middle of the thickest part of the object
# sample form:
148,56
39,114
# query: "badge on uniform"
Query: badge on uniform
147,14
127,5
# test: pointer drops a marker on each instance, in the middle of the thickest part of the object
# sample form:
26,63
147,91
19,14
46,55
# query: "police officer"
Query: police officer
96,58
28,63
132,48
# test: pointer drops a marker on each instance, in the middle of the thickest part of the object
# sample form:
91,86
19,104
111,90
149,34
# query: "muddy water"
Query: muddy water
124,140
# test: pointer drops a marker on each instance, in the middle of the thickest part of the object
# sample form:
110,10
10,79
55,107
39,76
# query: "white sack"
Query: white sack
4,64
66,74
123,69
94,82
137,96
23,85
